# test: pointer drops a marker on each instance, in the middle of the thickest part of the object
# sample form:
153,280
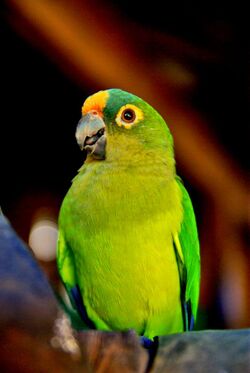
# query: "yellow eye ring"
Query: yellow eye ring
128,115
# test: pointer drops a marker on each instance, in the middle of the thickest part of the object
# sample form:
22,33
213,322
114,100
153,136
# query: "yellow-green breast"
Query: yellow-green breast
120,222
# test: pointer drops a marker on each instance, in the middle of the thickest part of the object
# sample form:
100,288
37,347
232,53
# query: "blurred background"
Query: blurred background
187,59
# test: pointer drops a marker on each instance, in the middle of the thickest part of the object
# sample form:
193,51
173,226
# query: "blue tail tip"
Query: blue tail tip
191,327
146,342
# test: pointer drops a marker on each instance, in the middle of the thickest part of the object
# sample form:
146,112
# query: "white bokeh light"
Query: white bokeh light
43,239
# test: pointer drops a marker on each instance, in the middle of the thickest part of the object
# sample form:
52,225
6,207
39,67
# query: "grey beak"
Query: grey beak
90,135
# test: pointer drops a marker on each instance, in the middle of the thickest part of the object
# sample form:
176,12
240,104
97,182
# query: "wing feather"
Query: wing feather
66,267
187,249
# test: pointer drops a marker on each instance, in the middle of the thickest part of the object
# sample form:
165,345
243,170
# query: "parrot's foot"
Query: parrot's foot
152,347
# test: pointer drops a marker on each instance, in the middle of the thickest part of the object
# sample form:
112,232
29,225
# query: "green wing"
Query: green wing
66,268
65,263
188,259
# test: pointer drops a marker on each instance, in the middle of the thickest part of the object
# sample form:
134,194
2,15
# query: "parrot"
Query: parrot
128,248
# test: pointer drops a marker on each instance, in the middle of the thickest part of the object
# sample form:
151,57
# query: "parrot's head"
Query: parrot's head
117,125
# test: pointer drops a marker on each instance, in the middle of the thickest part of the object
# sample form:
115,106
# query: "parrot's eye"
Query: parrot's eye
128,115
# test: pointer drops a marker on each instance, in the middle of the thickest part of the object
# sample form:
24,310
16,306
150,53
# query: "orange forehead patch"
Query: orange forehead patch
95,102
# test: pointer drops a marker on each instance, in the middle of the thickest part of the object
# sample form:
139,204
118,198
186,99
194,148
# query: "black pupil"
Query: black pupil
128,115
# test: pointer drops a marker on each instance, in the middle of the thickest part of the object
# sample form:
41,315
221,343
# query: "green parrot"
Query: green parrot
128,248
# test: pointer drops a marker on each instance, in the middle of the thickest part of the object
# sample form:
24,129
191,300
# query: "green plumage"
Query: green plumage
127,231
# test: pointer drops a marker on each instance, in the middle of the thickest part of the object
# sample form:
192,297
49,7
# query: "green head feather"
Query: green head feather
134,128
